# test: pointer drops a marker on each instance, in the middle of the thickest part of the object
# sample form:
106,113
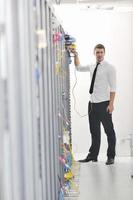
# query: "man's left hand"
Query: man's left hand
110,108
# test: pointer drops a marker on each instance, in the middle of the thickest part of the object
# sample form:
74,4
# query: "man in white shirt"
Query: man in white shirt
101,104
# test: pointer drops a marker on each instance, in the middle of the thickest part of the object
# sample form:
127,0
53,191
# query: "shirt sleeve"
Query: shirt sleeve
112,79
85,68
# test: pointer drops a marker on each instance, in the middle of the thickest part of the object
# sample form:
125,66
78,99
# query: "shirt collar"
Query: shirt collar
102,63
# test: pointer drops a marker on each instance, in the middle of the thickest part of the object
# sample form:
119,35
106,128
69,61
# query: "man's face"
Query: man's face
99,53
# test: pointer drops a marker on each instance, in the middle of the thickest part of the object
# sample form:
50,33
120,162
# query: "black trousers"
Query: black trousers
98,114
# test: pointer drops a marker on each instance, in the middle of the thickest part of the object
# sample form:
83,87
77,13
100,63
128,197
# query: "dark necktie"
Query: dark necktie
93,79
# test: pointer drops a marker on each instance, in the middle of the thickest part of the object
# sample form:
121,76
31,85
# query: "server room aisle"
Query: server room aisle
101,182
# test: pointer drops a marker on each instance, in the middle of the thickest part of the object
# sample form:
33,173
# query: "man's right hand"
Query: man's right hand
75,53
76,58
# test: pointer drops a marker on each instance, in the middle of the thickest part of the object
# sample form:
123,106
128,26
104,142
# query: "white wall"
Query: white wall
115,31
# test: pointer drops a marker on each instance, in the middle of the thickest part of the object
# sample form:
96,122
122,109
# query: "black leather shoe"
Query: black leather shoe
110,161
88,159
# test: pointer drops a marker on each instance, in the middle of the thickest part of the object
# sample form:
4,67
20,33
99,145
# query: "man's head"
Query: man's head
99,52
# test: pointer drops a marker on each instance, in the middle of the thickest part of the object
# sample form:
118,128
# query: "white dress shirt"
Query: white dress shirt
105,81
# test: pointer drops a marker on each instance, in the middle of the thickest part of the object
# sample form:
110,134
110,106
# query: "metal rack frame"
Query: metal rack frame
32,97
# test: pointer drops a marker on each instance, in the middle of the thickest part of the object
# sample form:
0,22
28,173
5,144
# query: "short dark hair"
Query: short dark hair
99,46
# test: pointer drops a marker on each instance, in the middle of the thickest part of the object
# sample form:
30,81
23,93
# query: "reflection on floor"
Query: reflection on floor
101,182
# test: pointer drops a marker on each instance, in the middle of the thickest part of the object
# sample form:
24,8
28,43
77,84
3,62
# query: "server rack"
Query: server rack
34,101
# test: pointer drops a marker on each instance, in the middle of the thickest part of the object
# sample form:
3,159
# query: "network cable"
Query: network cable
74,98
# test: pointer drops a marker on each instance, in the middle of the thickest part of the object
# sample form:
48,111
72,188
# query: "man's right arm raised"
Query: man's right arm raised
77,64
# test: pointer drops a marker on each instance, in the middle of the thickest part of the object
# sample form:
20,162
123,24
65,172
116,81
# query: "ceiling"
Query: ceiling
94,1
93,5
99,4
